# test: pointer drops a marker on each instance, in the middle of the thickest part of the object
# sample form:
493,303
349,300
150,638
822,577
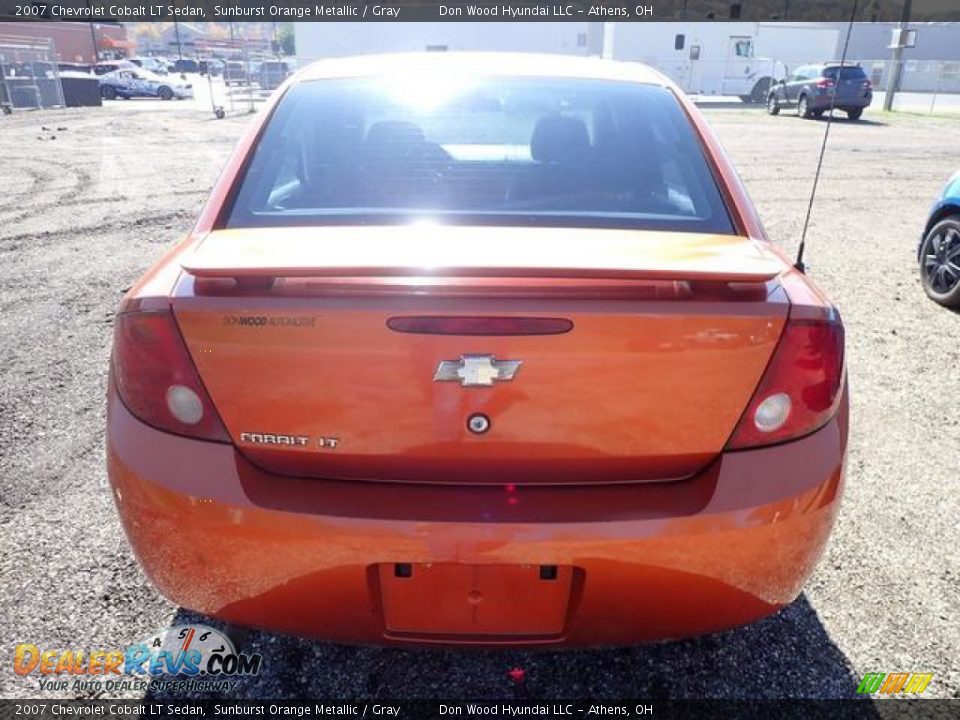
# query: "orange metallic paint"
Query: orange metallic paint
501,252
730,542
584,406
723,548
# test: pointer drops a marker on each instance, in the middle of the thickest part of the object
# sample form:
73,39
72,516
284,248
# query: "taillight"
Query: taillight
867,85
825,83
156,378
801,388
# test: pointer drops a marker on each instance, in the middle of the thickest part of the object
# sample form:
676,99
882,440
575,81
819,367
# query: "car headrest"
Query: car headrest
557,138
393,135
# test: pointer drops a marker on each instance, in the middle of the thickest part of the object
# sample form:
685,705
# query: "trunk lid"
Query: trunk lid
295,335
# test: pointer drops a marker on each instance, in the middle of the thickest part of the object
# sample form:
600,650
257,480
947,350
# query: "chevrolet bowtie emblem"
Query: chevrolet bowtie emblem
476,370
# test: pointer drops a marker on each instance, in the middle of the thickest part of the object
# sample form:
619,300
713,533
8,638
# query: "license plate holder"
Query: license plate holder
461,599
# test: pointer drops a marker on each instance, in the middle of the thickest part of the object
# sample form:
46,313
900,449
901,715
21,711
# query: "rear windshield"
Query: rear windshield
847,73
480,150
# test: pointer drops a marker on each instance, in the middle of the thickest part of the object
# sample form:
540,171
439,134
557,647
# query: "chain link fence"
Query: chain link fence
230,75
925,86
29,75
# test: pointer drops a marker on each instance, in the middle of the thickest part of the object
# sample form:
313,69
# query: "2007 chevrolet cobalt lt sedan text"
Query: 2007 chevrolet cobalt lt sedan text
478,349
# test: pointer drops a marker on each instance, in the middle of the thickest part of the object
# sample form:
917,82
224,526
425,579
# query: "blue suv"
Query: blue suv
812,88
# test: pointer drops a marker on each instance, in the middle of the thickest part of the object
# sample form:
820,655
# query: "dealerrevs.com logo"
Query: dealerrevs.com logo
198,656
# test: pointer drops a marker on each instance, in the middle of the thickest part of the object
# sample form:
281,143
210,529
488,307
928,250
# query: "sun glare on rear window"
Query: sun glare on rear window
497,150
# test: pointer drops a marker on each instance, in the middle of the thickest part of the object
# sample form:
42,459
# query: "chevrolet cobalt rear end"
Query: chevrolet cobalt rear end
478,349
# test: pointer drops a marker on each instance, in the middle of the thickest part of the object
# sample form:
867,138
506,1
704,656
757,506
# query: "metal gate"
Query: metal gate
29,76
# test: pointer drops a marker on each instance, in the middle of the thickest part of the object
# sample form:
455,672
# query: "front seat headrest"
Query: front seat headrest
391,136
557,138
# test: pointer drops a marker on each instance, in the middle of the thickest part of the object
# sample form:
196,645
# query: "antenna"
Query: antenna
823,148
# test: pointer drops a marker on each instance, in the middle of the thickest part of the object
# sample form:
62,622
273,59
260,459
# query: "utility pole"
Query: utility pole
176,31
93,37
896,61
93,40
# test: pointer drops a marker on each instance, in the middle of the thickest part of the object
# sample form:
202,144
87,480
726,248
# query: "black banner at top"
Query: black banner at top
479,10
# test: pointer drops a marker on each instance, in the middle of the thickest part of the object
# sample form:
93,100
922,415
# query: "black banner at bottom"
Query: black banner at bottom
429,709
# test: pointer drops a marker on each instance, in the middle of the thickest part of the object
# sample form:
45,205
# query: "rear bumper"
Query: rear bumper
822,102
654,561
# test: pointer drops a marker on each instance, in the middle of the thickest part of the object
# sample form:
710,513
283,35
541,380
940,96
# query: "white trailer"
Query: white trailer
723,58
316,40
704,58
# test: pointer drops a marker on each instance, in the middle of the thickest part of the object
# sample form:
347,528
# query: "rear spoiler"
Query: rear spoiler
479,252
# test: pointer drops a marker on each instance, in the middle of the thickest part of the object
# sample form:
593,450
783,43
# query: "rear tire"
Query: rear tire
165,93
108,93
773,107
803,108
940,262
760,90
855,113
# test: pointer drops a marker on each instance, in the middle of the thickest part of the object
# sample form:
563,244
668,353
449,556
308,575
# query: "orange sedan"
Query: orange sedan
482,350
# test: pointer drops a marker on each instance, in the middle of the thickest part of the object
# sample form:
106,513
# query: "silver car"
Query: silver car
127,83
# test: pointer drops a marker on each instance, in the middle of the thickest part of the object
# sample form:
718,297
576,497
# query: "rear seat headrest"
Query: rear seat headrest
557,138
394,133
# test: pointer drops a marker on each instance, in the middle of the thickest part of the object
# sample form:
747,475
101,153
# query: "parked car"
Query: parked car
141,83
211,66
185,65
76,68
151,64
811,89
459,330
939,249
273,73
235,73
36,69
109,66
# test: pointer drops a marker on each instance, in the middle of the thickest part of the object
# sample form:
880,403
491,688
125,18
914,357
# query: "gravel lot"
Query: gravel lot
82,215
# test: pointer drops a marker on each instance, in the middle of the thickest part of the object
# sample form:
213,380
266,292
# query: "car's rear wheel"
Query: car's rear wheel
165,93
803,107
773,107
108,93
760,90
940,262
855,113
